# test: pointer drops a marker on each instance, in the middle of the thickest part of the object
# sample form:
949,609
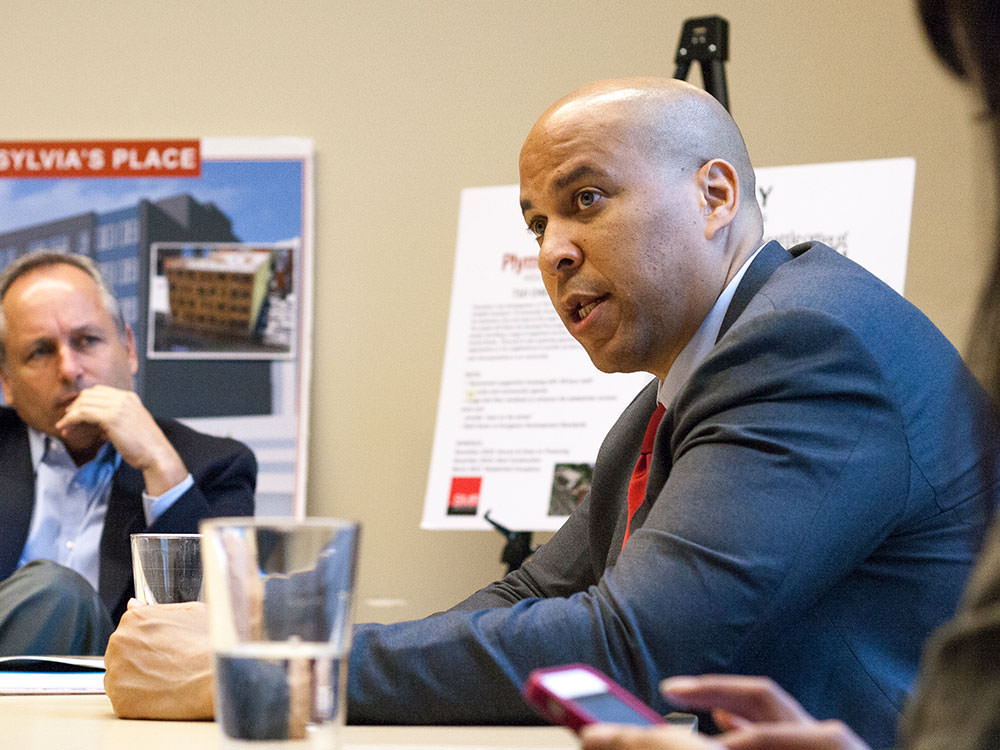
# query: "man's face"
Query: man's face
60,339
622,243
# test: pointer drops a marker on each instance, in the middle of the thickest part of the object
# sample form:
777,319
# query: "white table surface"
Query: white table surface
85,722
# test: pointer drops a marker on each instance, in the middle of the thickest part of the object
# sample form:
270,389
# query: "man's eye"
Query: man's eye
37,352
587,198
87,341
537,226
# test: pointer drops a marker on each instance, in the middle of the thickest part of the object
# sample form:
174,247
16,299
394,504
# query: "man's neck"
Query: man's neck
83,455
703,340
84,444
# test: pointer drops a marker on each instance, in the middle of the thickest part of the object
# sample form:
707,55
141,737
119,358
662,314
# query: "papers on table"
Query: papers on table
51,675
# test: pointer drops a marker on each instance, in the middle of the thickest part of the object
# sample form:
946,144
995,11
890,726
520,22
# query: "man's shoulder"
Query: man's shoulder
821,279
821,305
822,262
188,440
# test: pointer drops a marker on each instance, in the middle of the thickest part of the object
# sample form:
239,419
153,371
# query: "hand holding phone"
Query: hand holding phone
575,695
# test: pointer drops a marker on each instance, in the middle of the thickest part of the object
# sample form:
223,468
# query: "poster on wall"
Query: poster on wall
207,244
522,410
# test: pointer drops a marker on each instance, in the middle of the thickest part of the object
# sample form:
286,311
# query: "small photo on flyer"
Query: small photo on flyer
222,300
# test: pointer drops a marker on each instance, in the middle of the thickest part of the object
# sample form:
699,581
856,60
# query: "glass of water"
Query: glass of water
279,594
166,567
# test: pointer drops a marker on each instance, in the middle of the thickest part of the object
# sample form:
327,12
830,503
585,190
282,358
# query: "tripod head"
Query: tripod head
707,41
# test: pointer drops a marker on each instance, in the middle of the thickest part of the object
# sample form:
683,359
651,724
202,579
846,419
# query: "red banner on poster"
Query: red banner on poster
100,158
464,497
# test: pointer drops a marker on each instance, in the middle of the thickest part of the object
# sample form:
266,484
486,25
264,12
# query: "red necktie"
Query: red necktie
637,484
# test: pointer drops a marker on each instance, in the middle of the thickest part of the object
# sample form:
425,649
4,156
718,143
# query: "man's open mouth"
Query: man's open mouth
584,310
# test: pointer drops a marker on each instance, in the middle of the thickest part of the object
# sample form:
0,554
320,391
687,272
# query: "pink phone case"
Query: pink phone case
567,710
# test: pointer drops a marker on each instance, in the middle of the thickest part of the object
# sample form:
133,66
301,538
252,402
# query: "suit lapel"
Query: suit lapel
768,259
17,496
124,517
618,453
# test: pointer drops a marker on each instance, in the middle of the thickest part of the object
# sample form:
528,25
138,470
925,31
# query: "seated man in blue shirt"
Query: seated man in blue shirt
84,464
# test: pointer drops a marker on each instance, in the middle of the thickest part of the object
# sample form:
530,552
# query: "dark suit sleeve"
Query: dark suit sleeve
223,486
789,466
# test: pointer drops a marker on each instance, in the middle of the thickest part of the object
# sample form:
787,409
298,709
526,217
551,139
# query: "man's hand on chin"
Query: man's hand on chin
159,664
119,416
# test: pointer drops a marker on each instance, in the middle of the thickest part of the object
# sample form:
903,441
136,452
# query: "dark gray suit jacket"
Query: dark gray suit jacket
224,473
816,494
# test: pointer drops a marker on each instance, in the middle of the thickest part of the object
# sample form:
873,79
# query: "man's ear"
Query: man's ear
719,194
133,357
3,382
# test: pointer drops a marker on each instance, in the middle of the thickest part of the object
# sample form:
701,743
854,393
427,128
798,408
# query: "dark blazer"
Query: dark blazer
224,473
813,504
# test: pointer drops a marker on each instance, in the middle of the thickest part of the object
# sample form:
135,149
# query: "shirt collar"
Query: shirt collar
694,353
38,442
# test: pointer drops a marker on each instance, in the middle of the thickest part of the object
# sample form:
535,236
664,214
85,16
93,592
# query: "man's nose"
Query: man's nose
559,253
69,363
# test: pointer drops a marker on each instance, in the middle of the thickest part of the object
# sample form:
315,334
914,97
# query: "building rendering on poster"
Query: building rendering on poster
522,410
229,222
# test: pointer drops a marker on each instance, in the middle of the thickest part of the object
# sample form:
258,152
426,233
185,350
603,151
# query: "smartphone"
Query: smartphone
575,695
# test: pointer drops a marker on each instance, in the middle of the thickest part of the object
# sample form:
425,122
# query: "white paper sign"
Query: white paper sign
860,208
523,411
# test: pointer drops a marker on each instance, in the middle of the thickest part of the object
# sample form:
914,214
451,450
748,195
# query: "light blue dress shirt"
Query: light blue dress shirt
71,503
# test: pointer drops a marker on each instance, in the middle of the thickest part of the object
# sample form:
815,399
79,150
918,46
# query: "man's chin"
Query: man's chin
81,437
610,362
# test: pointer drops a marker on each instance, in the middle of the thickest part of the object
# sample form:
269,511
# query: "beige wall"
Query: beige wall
408,102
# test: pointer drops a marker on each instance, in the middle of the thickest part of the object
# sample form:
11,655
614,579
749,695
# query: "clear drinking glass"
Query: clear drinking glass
280,594
166,567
